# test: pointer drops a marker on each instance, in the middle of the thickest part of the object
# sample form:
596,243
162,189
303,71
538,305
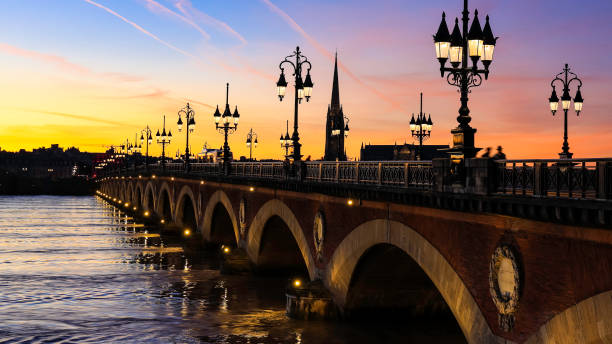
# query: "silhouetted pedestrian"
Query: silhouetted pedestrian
500,155
487,153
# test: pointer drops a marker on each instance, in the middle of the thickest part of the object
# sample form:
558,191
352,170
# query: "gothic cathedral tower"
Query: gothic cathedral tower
334,129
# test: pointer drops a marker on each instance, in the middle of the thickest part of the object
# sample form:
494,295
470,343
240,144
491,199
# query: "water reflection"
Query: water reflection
74,269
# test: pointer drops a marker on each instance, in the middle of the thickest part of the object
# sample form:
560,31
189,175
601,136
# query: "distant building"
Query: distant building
401,152
334,144
51,162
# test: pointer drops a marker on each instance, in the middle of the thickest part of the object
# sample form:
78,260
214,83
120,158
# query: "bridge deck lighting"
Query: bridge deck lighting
201,182
187,232
153,177
139,177
565,78
251,189
350,202
172,178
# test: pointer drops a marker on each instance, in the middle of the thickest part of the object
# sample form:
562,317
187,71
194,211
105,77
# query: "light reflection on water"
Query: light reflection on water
75,270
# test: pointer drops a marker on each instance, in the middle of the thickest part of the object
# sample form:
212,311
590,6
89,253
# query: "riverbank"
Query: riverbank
12,184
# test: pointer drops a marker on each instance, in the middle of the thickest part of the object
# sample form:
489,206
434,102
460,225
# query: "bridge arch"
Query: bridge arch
364,237
129,192
186,213
218,202
138,195
149,197
165,203
275,210
588,321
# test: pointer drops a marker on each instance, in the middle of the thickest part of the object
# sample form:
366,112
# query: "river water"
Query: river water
75,270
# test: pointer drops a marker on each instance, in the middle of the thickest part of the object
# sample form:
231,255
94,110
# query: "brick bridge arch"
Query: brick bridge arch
179,216
165,190
138,198
269,210
589,321
219,197
149,199
348,253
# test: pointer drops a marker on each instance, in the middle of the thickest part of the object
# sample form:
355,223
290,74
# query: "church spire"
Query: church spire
335,100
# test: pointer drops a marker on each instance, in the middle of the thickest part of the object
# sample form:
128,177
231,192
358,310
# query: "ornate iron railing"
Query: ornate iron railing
273,170
576,178
388,173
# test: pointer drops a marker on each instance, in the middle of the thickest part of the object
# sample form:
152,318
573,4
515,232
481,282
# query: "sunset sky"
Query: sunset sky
92,73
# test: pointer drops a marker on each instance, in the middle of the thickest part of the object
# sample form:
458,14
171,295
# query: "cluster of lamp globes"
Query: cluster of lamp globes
190,124
227,117
421,124
566,100
163,137
149,139
480,43
304,88
250,142
133,148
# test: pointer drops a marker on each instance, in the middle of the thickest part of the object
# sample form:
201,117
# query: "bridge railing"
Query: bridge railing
272,170
388,173
576,178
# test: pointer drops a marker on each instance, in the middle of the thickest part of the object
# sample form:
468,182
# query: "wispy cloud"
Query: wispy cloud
73,116
141,29
187,9
295,26
199,103
156,6
65,65
155,94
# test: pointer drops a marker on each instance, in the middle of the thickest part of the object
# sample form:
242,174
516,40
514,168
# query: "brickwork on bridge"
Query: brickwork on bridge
564,270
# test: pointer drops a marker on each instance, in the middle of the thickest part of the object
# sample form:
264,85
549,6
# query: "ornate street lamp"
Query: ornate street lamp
303,89
477,44
189,114
229,124
340,128
566,99
148,133
251,142
286,143
421,128
164,139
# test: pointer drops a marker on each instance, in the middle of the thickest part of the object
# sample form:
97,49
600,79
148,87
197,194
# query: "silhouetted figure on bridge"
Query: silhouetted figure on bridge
487,153
500,155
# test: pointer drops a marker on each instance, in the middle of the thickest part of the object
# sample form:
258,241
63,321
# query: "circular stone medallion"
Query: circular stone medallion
242,217
504,285
318,232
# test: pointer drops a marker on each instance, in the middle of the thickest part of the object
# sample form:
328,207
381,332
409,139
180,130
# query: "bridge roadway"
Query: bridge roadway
519,251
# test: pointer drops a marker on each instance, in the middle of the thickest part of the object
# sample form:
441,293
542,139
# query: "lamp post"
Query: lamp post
251,142
228,126
164,139
339,129
285,142
421,128
189,114
568,78
148,133
477,44
303,89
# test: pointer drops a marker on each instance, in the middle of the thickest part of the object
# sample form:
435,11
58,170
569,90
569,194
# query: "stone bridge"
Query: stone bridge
513,266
